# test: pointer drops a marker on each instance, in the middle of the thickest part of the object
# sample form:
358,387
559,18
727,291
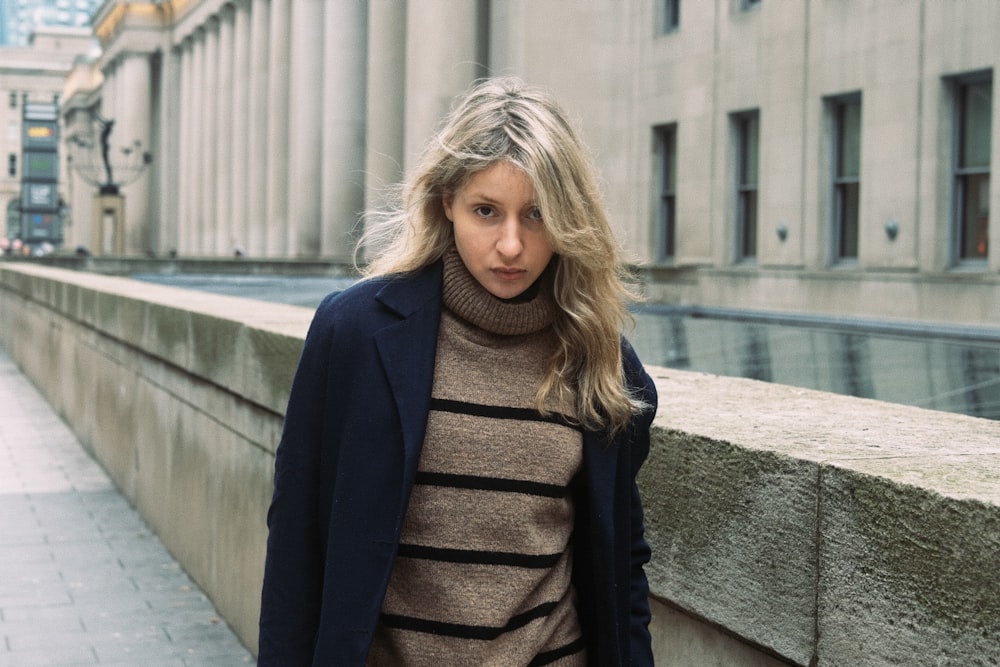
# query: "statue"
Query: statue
106,127
128,162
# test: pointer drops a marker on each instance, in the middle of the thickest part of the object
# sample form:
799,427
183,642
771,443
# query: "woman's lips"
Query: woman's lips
508,274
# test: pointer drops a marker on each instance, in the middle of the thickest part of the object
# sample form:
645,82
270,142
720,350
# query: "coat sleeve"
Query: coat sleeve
293,570
641,651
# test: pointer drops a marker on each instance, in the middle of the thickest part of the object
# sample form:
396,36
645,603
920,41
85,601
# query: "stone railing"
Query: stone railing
787,525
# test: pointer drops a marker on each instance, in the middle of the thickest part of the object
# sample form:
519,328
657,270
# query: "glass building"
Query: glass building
19,18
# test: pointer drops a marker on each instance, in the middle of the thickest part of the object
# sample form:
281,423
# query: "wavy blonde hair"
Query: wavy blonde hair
502,119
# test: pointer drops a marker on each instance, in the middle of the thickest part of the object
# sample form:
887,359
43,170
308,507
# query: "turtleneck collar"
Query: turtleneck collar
466,298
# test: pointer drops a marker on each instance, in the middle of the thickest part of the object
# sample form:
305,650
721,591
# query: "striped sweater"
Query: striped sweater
482,576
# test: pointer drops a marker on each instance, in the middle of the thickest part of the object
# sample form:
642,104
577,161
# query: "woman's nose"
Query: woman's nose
509,244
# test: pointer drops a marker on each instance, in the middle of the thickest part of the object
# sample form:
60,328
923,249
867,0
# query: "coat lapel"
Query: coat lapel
407,349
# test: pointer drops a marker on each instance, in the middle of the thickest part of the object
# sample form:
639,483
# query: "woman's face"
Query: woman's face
499,230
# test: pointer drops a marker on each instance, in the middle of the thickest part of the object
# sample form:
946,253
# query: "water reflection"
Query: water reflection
931,373
941,374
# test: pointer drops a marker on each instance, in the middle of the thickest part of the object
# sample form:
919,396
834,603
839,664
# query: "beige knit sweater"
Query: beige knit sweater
483,571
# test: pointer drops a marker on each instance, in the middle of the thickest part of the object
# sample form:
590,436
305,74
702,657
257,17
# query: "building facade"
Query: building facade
32,74
827,156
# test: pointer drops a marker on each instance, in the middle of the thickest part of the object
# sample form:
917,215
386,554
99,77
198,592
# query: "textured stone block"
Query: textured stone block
906,572
734,538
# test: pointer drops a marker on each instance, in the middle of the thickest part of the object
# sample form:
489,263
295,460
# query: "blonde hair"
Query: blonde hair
502,119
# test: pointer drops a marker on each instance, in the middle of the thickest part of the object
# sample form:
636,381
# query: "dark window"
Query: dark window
846,177
666,168
749,4
670,15
12,165
747,135
972,168
13,99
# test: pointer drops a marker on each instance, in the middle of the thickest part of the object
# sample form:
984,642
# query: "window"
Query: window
747,5
670,15
12,165
666,169
747,133
846,176
974,102
13,99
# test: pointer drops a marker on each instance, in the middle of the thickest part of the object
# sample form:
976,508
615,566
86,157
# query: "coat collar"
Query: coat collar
405,294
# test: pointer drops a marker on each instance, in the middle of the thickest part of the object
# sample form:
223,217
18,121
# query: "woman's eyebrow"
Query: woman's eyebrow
481,196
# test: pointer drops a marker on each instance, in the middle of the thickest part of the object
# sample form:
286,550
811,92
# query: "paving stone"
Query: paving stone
84,580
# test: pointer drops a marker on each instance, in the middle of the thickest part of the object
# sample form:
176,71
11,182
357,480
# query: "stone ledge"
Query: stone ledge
811,524
241,345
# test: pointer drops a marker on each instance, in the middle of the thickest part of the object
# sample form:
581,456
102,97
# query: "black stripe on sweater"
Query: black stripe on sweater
463,631
472,557
477,483
548,657
500,412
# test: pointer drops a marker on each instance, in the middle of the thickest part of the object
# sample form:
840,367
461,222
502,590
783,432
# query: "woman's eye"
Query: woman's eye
483,211
535,215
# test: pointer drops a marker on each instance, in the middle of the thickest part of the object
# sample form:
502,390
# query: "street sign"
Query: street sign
40,135
40,217
39,166
39,197
40,227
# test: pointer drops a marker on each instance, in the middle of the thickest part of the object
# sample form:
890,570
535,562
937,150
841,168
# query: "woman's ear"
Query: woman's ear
446,201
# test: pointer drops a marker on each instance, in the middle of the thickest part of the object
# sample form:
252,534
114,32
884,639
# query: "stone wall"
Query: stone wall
180,397
788,526
816,525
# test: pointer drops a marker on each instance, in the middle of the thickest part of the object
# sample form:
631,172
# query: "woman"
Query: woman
455,482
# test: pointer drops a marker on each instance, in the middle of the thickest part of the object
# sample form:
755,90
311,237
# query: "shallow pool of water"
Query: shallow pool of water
926,371
922,369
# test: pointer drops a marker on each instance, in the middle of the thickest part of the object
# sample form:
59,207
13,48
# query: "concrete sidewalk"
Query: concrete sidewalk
83,580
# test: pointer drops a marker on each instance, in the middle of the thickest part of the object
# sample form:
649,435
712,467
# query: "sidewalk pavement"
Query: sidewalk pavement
83,580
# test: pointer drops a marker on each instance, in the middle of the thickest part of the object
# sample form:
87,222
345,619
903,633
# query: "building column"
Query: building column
132,132
386,81
209,173
185,146
108,89
445,53
257,157
305,116
78,122
195,166
239,120
278,229
343,107
224,120
165,146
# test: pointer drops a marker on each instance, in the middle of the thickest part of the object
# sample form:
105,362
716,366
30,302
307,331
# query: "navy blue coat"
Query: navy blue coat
345,467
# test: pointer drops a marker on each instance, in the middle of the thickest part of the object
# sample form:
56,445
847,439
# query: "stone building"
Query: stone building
817,156
33,73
